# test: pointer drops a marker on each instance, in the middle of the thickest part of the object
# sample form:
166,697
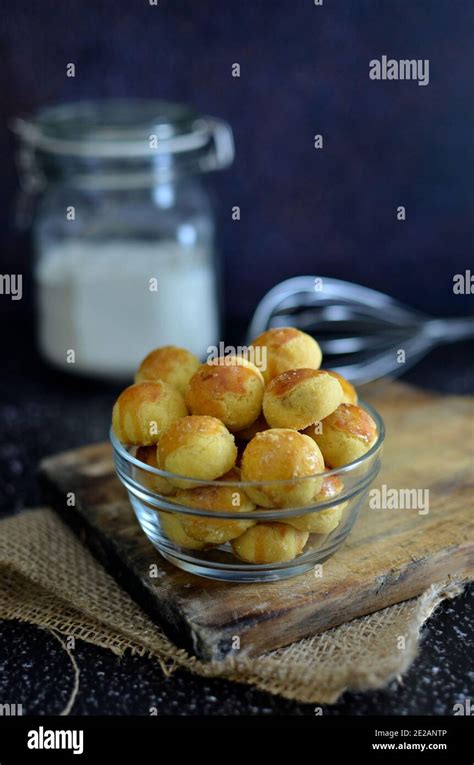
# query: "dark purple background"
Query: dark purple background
304,70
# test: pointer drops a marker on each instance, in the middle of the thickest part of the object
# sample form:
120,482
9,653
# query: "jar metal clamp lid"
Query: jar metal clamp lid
119,142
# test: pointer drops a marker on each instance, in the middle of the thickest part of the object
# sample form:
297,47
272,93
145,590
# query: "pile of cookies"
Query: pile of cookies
281,425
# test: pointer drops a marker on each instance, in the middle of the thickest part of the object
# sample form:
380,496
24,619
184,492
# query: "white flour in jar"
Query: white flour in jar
95,299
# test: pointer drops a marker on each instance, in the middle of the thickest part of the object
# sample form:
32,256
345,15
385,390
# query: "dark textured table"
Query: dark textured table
43,412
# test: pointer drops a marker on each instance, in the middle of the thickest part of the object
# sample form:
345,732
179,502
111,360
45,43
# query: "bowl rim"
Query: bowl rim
121,450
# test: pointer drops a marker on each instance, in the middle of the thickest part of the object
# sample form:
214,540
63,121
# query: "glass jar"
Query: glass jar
123,231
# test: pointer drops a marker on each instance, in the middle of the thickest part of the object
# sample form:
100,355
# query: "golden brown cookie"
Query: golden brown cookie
300,397
197,447
145,410
214,498
172,528
282,455
347,434
174,365
323,521
269,543
286,348
229,388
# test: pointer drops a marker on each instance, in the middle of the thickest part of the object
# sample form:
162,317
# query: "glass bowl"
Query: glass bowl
154,506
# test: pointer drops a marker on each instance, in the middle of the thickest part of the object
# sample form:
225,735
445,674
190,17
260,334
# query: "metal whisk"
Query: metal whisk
360,331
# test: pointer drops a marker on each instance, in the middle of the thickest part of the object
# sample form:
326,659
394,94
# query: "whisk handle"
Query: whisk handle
449,330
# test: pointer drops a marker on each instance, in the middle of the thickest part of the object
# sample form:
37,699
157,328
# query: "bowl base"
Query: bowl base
222,575
219,563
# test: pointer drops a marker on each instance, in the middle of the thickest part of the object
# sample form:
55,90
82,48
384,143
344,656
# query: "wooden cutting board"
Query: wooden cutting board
391,555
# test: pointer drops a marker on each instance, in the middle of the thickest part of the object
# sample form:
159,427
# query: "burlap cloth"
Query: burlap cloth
49,579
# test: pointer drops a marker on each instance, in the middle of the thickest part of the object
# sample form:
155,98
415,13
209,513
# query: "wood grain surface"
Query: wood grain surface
391,555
